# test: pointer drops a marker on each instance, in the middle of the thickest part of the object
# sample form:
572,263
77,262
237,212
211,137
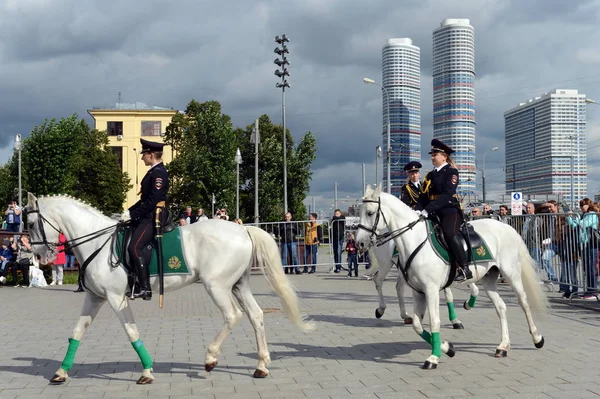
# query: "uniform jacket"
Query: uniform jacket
438,190
410,193
154,188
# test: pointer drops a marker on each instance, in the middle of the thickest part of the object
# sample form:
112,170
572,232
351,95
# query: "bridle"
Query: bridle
380,239
75,242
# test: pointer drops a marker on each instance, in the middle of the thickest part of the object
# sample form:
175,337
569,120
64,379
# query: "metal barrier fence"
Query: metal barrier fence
299,244
565,247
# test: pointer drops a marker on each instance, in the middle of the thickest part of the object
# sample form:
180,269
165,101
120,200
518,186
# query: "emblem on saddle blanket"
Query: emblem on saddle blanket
482,253
173,259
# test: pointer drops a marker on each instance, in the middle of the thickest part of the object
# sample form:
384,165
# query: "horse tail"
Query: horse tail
531,282
267,257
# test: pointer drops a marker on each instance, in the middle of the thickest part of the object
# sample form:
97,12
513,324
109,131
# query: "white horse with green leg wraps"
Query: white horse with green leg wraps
385,258
428,273
218,253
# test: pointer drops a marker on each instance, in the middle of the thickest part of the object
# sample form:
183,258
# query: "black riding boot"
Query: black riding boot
463,273
142,288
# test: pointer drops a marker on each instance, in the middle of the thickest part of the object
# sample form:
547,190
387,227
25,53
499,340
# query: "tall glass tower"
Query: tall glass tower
454,95
401,76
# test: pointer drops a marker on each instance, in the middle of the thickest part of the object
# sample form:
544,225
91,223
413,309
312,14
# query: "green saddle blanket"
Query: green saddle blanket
482,253
173,259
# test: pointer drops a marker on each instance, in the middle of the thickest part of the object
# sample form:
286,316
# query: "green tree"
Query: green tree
67,157
270,185
204,144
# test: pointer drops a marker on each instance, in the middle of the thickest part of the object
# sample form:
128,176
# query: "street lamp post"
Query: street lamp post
572,175
18,146
238,161
282,72
483,173
377,156
389,150
256,140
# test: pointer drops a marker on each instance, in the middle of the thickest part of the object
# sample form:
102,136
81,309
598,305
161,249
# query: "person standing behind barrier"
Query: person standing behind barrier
287,232
59,262
313,235
351,250
503,213
587,224
531,232
549,251
13,217
338,233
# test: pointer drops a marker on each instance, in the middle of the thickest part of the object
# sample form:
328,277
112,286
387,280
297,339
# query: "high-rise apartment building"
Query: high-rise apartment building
546,146
454,95
401,77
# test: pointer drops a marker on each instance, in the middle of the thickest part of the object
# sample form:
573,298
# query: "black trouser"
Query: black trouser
142,235
450,221
15,266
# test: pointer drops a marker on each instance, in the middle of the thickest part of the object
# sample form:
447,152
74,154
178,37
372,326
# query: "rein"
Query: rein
381,239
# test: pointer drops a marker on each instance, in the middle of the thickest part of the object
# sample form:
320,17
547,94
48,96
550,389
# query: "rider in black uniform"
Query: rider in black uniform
439,197
410,192
154,188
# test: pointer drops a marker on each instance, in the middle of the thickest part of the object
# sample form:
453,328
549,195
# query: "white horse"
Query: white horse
428,273
383,261
218,253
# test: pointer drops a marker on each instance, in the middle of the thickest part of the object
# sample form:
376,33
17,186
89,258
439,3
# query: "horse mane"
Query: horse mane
76,201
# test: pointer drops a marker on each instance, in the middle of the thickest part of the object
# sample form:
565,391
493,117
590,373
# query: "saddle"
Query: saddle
471,239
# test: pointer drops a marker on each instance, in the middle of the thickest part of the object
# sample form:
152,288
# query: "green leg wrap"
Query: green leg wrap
142,353
67,363
451,312
472,300
436,344
426,336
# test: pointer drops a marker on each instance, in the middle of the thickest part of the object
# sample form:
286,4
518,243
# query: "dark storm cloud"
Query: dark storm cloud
62,57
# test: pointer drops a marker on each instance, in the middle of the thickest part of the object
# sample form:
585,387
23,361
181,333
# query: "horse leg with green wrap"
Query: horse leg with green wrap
123,311
91,307
432,339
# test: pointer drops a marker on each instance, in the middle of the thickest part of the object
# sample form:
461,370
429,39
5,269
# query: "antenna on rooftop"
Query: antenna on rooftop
119,100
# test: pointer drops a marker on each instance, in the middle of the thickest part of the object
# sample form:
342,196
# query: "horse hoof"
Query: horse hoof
408,320
210,366
143,380
466,306
428,365
451,352
58,379
458,326
378,314
501,353
540,344
260,373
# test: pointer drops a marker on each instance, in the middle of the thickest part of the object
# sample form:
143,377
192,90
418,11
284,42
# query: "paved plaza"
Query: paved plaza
350,355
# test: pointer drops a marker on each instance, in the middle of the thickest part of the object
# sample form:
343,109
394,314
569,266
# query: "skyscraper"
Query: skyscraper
454,95
546,145
401,76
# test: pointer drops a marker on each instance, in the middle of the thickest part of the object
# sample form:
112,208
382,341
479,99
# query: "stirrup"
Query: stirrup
463,274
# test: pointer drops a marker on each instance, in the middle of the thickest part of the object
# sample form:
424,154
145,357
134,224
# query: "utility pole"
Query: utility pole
335,195
282,72
255,138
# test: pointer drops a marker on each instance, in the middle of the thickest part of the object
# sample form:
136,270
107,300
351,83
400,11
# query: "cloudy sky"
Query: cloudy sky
63,56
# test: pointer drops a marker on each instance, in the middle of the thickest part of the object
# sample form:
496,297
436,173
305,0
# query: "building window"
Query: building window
151,128
114,128
118,152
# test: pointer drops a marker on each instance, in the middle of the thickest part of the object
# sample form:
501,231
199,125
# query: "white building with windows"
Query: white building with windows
454,95
401,76
546,146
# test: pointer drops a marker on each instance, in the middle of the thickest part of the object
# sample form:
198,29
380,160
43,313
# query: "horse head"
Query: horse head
369,222
42,229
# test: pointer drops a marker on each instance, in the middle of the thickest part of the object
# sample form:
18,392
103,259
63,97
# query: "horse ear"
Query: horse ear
31,199
368,191
377,191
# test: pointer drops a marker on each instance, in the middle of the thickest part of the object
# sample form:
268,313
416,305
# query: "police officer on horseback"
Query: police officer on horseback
154,188
411,191
439,198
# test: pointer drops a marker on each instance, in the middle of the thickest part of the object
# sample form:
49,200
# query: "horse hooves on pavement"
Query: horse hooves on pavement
451,352
428,365
408,320
501,353
260,373
209,367
143,380
57,379
540,344
466,305
458,326
378,314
